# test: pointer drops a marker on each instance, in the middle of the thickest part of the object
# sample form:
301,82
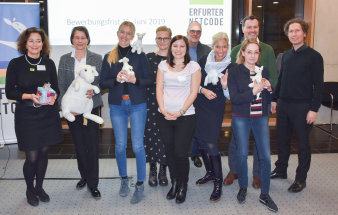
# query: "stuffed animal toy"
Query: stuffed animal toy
212,77
137,45
75,99
257,78
126,67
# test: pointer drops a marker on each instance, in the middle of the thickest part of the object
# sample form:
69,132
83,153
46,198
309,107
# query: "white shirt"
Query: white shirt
176,86
77,63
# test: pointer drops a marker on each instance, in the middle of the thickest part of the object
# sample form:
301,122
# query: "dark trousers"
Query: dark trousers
292,116
177,136
86,140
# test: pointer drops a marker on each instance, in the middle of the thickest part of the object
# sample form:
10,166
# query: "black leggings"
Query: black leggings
212,148
176,136
35,166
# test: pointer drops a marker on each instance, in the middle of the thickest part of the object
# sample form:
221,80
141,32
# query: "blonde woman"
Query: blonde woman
127,98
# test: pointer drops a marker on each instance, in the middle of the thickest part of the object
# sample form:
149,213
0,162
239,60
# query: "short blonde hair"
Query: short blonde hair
164,28
219,36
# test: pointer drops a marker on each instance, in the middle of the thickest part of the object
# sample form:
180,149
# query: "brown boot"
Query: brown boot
255,182
230,178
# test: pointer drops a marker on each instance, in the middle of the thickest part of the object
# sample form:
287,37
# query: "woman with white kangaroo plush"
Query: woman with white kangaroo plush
74,68
127,100
210,106
250,104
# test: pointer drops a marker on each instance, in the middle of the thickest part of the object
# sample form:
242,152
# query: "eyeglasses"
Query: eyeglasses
80,38
195,31
251,53
162,38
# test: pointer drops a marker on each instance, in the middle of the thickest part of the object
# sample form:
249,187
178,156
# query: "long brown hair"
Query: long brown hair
114,54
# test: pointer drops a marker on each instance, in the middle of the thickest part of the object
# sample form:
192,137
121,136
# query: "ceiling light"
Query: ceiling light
275,2
259,6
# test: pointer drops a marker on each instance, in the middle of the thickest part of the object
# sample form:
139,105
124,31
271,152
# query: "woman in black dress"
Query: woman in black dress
210,106
37,126
155,150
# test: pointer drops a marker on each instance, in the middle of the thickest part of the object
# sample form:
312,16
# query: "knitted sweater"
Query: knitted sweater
301,77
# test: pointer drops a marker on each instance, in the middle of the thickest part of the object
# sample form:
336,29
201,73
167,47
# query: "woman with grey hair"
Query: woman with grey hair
210,106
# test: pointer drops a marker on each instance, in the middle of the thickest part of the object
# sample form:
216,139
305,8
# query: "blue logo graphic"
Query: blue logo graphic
15,18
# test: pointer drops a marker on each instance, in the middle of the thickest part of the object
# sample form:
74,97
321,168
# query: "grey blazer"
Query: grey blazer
66,74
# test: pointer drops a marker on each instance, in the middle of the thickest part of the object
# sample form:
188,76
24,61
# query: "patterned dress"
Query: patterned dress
155,151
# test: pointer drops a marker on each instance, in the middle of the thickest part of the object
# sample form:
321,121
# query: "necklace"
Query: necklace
32,64
121,53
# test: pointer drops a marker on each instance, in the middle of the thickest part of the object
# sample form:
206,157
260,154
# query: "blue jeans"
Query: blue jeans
232,158
119,118
260,127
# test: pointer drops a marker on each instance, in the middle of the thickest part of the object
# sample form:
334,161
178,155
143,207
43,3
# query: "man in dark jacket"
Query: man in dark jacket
298,91
196,51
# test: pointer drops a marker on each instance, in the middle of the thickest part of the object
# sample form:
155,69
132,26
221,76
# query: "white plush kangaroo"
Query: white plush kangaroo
257,78
126,67
137,45
75,99
212,77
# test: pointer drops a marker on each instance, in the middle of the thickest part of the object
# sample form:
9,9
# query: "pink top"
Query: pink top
177,86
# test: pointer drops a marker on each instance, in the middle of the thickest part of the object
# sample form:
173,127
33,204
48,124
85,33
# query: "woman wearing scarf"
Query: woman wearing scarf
210,106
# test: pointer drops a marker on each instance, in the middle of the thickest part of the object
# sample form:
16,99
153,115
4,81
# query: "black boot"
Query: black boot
209,176
181,193
162,175
217,168
152,174
32,199
173,190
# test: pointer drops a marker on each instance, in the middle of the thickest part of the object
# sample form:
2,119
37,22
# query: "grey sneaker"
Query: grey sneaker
138,194
268,202
124,189
241,195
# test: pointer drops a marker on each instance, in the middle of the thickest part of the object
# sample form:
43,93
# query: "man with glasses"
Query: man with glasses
250,28
196,51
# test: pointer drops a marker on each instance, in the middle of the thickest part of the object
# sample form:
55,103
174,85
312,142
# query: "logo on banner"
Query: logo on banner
207,12
17,26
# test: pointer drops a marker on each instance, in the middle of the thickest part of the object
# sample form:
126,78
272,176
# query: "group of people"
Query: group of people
175,98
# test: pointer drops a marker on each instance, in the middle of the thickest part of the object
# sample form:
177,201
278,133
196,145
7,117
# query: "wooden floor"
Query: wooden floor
320,142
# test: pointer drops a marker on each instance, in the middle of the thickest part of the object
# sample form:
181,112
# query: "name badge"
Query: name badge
31,69
181,78
41,67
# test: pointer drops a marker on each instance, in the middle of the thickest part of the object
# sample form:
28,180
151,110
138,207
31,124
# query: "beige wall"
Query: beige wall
325,41
326,36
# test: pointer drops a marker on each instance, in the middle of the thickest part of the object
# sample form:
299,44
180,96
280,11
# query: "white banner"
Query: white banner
14,18
103,17
7,133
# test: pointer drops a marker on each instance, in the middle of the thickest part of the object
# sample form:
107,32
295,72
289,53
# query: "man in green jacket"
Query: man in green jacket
250,28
